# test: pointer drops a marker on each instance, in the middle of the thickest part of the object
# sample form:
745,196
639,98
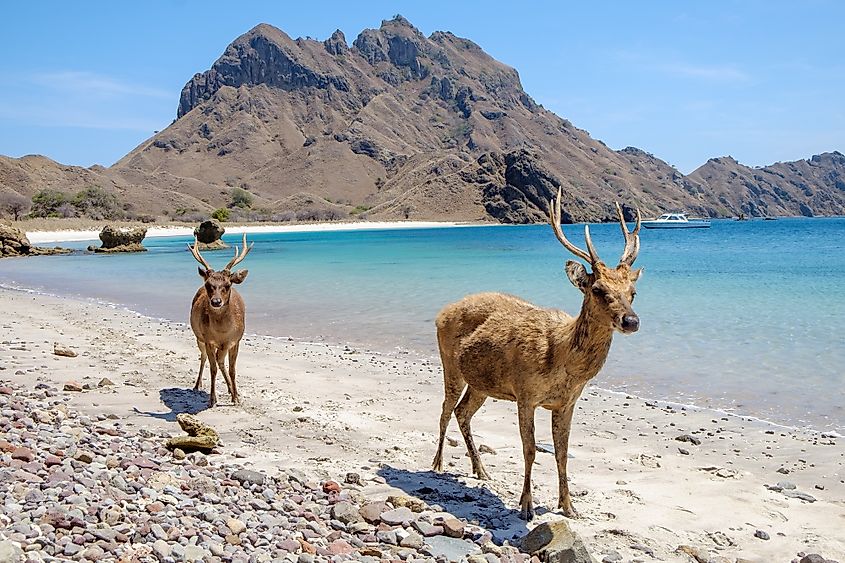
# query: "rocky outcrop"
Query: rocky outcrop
13,242
121,239
201,437
208,235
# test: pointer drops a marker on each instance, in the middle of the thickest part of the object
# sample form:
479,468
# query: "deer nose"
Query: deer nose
216,302
630,323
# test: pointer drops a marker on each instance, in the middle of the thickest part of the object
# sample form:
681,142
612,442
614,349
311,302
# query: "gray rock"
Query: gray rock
398,516
161,549
761,534
611,557
248,476
451,549
10,552
346,513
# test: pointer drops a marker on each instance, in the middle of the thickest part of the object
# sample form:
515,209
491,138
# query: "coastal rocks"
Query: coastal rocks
13,242
208,235
556,542
201,437
121,239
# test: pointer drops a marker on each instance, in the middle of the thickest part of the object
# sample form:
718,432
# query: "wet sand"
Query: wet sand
329,409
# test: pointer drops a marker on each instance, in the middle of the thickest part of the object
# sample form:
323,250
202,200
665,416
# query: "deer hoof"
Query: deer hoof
568,510
481,474
527,511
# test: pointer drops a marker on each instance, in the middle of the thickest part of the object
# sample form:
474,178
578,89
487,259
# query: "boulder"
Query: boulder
208,235
555,542
13,242
122,239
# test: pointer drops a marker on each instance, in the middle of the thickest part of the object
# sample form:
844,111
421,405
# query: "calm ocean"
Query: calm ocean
745,316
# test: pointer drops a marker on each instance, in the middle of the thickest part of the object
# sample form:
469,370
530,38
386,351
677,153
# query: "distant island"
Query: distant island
395,126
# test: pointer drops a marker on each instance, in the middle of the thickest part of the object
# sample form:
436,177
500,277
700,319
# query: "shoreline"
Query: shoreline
78,235
334,408
408,354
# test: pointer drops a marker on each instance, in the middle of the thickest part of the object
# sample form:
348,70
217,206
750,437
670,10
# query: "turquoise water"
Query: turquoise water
744,316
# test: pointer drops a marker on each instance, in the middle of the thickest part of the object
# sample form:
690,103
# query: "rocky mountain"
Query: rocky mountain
406,126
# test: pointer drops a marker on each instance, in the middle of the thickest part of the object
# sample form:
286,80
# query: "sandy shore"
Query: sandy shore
70,235
327,410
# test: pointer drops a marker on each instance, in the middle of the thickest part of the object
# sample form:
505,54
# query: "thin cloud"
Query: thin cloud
77,118
705,72
92,84
726,73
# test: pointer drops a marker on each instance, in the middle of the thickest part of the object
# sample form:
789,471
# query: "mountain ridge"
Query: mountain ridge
408,126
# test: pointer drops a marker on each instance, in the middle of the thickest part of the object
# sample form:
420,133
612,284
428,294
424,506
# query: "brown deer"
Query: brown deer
217,319
496,345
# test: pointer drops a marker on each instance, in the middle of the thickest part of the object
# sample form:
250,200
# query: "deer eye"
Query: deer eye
599,291
634,294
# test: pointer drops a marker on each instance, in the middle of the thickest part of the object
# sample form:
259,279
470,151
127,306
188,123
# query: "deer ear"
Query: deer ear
577,274
203,272
239,276
635,275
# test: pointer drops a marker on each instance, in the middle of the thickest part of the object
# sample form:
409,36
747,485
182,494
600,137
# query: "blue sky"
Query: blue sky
763,81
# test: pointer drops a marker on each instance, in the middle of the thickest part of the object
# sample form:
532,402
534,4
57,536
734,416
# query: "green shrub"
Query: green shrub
97,203
221,214
240,198
47,203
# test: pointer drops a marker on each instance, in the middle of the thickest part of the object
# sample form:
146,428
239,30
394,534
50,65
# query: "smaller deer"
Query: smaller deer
217,319
496,345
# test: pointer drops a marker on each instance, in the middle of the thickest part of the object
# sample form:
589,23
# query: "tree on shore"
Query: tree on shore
14,204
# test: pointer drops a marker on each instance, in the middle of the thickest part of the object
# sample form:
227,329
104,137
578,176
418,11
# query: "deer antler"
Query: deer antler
554,218
632,240
239,255
196,252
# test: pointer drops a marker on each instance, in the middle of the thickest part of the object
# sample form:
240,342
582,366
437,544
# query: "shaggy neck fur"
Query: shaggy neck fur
588,343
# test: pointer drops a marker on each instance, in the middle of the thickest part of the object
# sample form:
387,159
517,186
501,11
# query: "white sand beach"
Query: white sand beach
328,409
70,235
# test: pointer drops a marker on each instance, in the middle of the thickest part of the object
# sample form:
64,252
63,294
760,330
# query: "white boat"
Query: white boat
676,221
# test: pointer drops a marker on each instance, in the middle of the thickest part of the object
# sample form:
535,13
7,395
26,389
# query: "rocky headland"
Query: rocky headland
396,125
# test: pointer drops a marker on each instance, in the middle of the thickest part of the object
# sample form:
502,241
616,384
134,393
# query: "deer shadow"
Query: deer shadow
473,503
179,400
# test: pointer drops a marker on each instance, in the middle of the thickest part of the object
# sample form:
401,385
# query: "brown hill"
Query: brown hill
408,126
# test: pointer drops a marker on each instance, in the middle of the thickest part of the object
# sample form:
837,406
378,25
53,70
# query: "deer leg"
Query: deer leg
561,424
468,406
212,367
203,356
529,451
233,358
221,363
454,385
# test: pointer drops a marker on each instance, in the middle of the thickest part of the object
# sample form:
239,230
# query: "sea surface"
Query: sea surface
745,317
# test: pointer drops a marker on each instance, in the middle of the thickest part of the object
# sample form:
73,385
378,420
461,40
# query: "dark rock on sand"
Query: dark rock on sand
209,234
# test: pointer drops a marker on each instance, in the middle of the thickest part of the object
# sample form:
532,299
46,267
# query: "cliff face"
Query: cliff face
418,127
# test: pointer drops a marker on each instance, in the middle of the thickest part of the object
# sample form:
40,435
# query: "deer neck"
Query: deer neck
588,343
